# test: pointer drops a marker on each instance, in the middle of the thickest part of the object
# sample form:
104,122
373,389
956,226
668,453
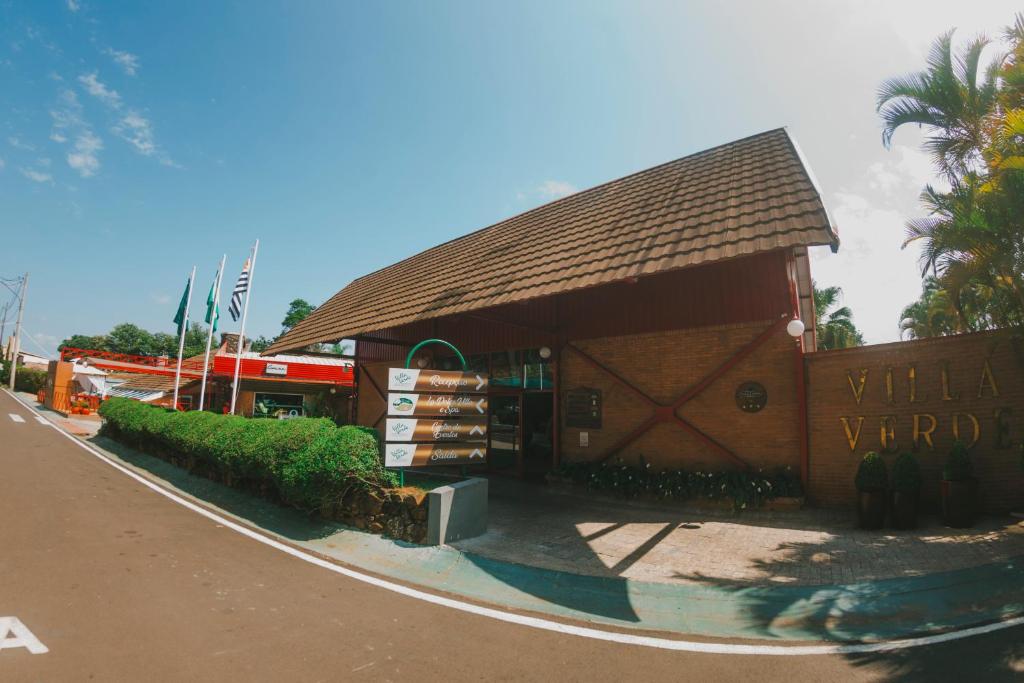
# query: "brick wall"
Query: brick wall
969,393
664,365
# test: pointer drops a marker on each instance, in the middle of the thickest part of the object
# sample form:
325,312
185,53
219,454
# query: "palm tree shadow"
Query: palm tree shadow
888,609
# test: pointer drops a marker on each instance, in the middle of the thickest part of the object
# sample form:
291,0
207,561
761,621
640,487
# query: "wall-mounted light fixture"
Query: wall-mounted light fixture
795,327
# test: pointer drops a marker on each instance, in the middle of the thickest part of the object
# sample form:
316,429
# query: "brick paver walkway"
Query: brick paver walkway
535,526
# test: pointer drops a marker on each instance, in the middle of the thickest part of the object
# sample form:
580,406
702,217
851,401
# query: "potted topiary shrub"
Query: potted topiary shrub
906,487
871,481
958,488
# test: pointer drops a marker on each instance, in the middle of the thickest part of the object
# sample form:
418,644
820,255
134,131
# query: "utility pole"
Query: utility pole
3,325
17,330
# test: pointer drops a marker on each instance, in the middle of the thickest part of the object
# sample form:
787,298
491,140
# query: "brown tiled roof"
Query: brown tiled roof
744,197
155,382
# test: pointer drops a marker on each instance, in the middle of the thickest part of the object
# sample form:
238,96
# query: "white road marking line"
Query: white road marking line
14,634
554,626
42,420
16,417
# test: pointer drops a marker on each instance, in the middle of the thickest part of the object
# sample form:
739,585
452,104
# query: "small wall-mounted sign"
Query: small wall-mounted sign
751,397
279,369
583,408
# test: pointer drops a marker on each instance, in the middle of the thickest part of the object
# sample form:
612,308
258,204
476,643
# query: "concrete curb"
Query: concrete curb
870,611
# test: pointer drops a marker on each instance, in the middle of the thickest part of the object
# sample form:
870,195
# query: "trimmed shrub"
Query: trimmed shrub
307,461
906,474
958,465
28,380
871,473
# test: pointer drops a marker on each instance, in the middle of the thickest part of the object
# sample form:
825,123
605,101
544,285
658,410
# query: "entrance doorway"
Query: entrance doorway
521,433
538,434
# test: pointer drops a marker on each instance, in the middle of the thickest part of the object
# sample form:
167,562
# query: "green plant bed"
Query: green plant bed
872,481
906,489
304,462
736,489
959,488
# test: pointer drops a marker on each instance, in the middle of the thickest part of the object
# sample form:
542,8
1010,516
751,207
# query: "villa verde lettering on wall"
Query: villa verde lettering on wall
936,402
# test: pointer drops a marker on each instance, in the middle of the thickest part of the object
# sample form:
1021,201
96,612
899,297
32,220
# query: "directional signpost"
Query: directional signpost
435,417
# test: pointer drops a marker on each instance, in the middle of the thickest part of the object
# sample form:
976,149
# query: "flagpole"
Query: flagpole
209,338
241,330
181,340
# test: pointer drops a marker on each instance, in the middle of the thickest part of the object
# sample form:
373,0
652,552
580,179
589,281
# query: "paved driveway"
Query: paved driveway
120,583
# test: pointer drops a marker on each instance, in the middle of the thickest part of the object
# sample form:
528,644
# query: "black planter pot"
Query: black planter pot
958,503
871,509
904,509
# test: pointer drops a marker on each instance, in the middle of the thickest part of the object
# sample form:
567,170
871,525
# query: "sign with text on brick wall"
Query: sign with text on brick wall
435,417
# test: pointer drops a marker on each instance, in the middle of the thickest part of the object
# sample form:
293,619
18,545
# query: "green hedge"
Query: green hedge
308,461
28,380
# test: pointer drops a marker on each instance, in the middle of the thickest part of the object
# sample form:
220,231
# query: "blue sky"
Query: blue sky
139,139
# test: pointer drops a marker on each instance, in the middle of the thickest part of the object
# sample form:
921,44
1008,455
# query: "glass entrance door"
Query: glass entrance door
506,442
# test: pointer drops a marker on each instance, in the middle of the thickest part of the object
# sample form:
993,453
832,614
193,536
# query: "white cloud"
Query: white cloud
905,172
84,158
18,143
97,89
877,276
137,130
36,176
160,298
74,5
69,115
128,62
554,189
2,164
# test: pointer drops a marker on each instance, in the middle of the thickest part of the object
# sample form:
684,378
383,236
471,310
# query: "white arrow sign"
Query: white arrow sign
476,430
477,453
479,406
480,382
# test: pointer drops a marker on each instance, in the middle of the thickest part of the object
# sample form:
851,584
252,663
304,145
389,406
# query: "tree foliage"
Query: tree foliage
132,339
834,325
298,310
972,236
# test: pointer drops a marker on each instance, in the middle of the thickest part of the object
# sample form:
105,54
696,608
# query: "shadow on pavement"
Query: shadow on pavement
284,521
992,658
872,610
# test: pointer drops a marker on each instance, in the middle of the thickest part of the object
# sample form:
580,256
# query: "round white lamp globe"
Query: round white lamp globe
545,352
422,362
795,327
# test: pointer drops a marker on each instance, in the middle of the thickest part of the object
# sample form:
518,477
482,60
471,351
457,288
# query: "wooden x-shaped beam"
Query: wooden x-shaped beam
661,412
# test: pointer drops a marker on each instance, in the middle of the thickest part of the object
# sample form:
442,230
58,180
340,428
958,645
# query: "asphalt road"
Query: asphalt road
120,583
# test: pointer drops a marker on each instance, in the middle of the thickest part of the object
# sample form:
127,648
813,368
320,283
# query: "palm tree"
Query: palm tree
931,315
972,242
953,98
834,328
